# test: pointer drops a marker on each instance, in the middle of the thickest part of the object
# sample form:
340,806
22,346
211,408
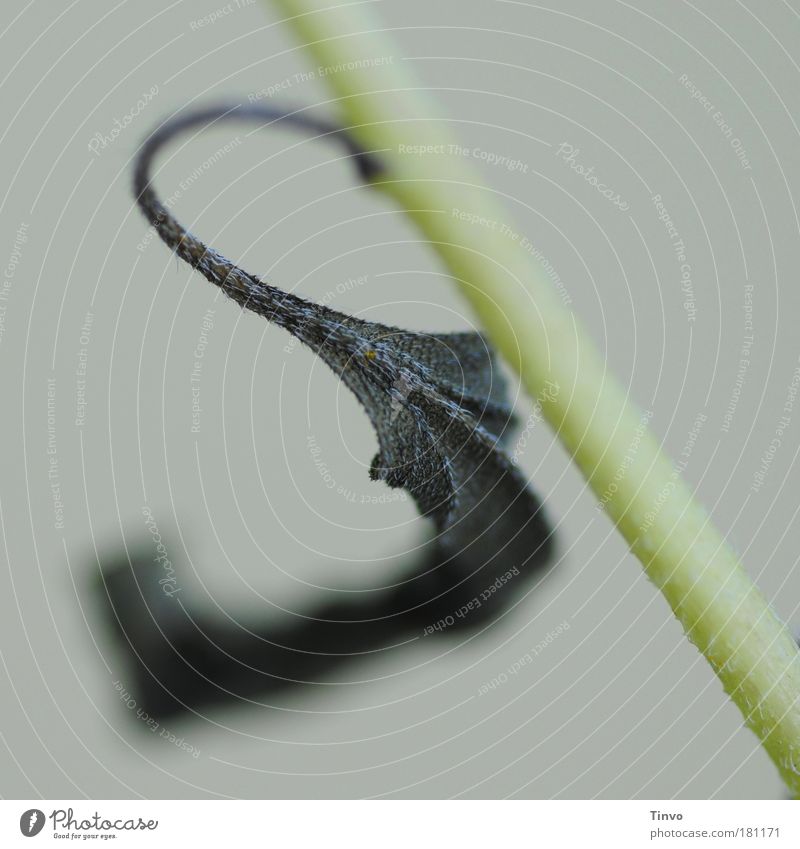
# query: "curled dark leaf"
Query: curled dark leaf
437,401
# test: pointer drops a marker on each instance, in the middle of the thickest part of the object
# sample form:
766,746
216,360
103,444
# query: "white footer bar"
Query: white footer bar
401,824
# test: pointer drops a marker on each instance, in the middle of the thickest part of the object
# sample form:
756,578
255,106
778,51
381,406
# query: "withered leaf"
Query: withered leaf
437,402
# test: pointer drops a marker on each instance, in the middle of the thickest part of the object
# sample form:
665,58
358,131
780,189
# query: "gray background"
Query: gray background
619,705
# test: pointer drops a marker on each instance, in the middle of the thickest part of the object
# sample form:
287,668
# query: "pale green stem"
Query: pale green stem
684,555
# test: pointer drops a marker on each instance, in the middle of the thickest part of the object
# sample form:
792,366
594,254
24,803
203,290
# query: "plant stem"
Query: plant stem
721,611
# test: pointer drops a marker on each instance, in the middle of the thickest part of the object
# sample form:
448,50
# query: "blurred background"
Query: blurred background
141,406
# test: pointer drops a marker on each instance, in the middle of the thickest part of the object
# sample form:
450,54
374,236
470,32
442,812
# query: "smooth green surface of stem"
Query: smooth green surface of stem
684,555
